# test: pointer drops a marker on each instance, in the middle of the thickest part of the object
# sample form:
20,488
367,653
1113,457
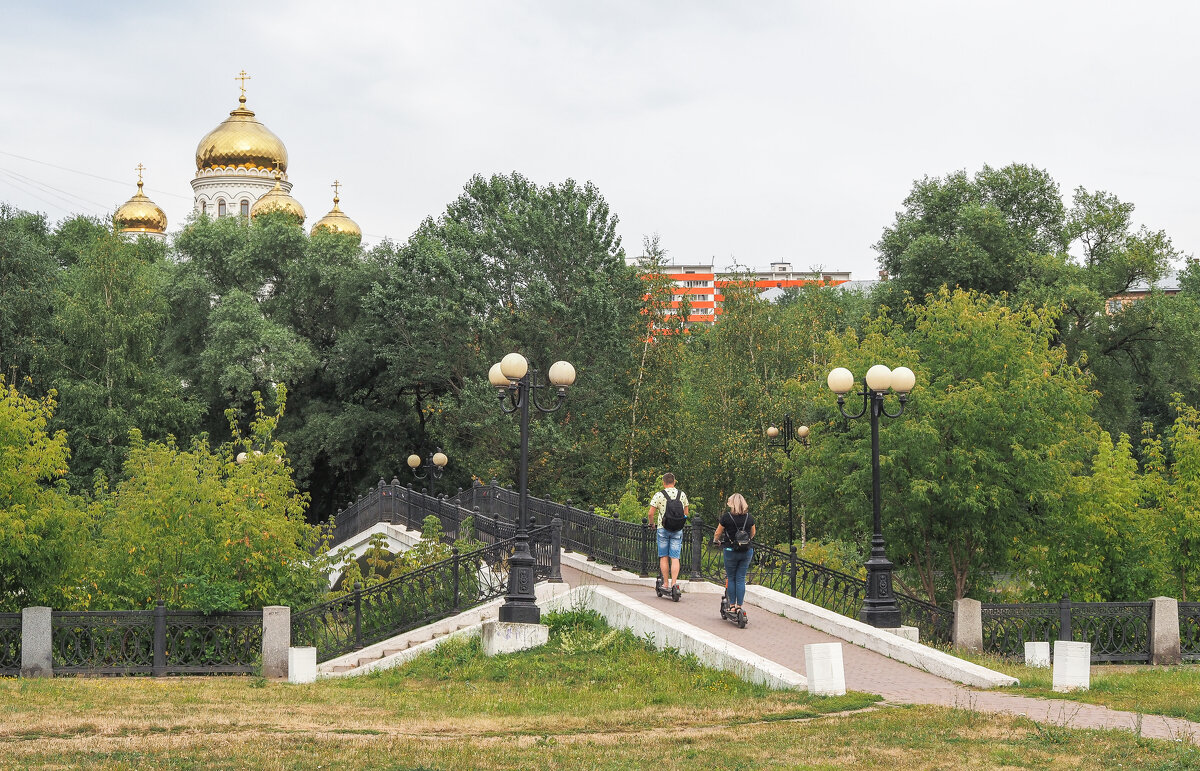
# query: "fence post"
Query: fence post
645,556
556,551
966,631
1064,618
591,556
276,639
793,570
395,487
37,642
160,639
358,615
1165,645
567,548
408,506
696,547
454,556
616,558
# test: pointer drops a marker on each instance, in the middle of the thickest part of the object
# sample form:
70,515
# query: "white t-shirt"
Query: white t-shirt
659,501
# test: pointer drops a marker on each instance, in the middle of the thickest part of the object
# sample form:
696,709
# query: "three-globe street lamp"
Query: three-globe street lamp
880,608
518,386
435,465
783,439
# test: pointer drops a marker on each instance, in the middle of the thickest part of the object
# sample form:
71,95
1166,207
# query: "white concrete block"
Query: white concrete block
506,637
302,665
910,633
1072,666
1037,654
823,667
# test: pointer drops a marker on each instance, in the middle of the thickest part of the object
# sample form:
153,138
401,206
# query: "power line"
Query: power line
47,188
88,174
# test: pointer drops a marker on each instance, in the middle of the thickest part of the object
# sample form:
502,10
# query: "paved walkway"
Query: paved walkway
782,640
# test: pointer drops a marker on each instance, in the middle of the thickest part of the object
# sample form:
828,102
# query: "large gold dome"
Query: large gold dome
241,142
140,215
336,220
276,199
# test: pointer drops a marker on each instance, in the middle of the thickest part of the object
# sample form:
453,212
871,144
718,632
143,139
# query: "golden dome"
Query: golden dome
139,214
278,200
241,142
336,220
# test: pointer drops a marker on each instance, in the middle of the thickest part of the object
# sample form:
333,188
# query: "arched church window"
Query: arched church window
204,207
221,207
245,208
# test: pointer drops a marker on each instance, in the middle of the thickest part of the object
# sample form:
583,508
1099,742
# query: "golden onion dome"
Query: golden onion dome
276,199
336,220
139,214
241,142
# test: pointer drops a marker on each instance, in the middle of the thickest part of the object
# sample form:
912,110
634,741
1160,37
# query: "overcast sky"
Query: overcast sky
735,131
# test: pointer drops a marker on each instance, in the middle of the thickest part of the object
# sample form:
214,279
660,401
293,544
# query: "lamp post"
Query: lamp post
880,608
435,465
784,439
518,386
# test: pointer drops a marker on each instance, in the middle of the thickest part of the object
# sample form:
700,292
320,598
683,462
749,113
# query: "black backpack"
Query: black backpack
741,538
673,517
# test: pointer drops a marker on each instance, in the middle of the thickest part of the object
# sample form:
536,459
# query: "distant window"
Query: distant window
1114,306
204,207
221,207
245,208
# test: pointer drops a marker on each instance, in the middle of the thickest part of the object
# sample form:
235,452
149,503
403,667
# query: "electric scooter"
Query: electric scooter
737,617
673,593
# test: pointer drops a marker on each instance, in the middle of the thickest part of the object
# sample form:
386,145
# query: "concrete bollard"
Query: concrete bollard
507,637
967,630
1072,666
824,670
276,640
1037,654
302,665
36,643
1164,632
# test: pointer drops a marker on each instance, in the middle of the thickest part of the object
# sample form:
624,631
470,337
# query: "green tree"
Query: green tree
41,527
28,275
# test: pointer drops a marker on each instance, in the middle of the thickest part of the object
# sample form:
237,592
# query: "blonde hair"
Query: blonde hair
737,504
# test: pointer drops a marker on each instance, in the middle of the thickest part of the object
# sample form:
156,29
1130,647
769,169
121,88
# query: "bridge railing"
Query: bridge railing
369,615
10,644
1119,632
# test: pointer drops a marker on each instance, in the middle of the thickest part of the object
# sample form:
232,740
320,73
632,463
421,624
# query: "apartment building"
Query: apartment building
704,287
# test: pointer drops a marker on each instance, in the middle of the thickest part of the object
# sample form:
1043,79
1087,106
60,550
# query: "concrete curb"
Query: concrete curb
666,631
606,573
914,654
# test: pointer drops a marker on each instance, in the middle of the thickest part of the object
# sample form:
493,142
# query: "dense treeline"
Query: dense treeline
1050,446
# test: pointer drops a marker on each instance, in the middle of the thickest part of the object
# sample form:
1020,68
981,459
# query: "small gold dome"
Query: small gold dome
278,200
139,214
241,142
336,220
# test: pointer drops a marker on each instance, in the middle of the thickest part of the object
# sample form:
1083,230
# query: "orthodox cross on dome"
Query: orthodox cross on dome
335,187
140,169
243,77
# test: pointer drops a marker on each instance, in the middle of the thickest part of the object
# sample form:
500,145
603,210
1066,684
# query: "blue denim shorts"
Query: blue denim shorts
669,544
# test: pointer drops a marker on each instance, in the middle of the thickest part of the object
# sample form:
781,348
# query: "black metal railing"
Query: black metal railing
1189,630
1117,631
10,644
155,642
367,616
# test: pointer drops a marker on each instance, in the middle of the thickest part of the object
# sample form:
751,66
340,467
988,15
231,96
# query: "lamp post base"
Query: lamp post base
880,608
520,604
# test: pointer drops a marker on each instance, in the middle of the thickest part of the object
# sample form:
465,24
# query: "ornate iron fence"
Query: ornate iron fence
367,616
1189,630
1117,631
155,642
10,644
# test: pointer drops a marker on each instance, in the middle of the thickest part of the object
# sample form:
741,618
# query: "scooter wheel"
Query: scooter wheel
741,620
676,593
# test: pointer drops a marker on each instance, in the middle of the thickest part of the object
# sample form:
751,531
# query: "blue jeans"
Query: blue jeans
736,565
670,544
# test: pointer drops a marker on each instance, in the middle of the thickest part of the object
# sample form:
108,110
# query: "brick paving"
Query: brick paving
782,640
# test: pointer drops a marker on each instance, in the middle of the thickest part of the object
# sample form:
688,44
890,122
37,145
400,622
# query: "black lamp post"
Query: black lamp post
784,439
880,608
518,386
435,464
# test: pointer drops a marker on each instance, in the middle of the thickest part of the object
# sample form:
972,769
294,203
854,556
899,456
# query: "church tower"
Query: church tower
236,163
140,216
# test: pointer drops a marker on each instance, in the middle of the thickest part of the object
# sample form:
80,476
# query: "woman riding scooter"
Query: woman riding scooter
735,533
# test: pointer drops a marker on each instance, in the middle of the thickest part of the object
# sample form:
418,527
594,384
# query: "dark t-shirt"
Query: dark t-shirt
733,523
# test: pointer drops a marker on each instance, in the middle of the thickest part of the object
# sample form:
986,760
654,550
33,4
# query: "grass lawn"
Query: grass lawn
592,698
1172,691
